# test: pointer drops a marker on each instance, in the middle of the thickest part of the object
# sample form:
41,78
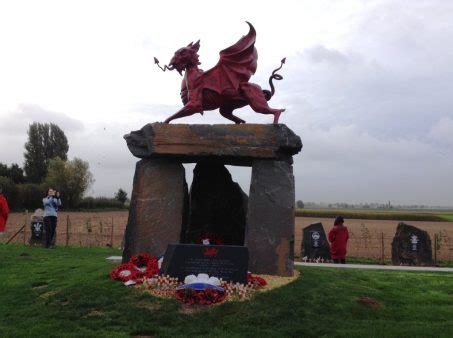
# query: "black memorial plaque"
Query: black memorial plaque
314,242
229,262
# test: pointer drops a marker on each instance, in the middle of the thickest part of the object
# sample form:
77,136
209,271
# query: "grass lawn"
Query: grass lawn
66,292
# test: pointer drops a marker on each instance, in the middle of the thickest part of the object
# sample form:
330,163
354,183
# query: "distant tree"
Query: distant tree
45,142
299,204
121,196
16,173
31,195
70,178
4,171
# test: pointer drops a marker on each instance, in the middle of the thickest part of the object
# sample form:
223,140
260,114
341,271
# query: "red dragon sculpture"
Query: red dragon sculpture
225,86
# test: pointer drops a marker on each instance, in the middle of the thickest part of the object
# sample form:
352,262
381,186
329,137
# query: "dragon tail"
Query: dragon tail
274,76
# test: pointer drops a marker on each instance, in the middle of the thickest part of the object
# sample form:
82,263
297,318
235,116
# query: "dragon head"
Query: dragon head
185,57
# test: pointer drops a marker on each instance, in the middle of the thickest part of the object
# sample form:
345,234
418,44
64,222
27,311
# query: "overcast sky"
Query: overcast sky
368,85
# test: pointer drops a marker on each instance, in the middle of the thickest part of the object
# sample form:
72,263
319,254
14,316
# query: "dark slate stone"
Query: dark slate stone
37,231
221,261
217,205
270,218
411,246
314,243
228,143
158,207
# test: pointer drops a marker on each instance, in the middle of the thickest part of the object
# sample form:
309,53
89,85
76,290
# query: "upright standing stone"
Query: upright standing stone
270,218
218,206
411,246
157,209
315,244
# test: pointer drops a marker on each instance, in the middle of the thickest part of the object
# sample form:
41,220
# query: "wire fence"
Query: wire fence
380,247
107,230
75,230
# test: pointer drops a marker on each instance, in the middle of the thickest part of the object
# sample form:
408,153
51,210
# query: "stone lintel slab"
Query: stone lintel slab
226,143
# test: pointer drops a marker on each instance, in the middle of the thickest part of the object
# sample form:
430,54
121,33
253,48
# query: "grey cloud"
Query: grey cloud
376,119
321,54
442,132
18,120
347,164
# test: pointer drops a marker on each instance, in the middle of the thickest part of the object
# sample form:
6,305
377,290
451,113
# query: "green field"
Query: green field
379,214
447,215
66,292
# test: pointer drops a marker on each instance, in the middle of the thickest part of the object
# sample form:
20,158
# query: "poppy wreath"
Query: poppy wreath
204,297
214,239
139,266
146,263
125,272
256,281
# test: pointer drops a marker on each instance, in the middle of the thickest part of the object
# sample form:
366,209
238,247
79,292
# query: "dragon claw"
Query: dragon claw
277,115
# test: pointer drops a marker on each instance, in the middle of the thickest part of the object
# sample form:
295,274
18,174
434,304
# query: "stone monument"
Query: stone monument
162,211
411,246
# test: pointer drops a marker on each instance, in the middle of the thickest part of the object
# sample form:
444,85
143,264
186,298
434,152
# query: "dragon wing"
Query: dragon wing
237,64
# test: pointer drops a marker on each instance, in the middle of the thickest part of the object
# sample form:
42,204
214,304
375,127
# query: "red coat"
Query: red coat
338,238
4,211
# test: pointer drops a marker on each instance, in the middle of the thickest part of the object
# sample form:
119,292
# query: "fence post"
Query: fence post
68,222
25,226
435,249
111,235
382,249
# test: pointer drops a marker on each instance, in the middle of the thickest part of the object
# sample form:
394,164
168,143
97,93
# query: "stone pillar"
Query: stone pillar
217,205
158,206
270,218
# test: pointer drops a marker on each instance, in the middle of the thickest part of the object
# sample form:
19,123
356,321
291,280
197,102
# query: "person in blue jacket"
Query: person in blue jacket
51,203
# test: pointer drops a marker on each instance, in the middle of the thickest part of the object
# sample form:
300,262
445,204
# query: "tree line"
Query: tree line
46,164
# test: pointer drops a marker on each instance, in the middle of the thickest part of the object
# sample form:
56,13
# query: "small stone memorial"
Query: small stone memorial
314,243
411,246
37,230
222,261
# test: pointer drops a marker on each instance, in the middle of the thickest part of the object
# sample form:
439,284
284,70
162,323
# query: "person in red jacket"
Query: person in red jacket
4,211
338,238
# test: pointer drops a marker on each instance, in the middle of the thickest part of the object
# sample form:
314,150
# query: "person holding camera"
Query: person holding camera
51,203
